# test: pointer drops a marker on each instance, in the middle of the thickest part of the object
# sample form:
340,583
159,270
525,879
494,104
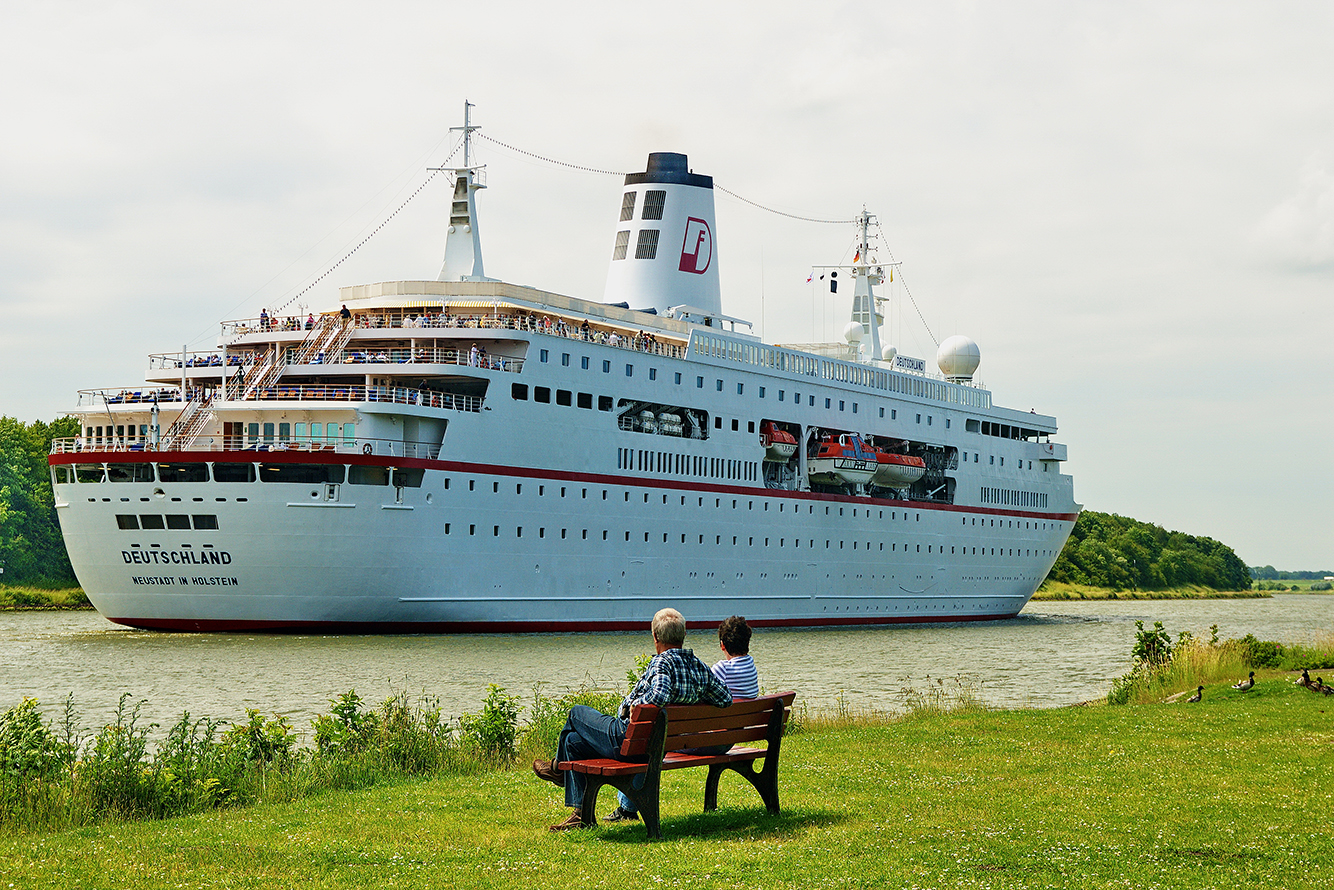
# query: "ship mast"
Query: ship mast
863,293
463,243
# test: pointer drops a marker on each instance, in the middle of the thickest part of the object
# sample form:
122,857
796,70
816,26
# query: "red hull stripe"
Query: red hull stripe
220,625
691,486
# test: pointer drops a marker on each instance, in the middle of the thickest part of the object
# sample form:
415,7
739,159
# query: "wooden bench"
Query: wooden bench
653,743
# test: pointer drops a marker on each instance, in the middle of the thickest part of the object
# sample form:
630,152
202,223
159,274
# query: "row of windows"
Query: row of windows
1009,497
254,433
752,541
151,521
305,474
643,461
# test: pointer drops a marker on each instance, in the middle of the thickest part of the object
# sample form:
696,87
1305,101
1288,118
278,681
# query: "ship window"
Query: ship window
761,392
268,433
828,403
606,367
653,204
736,424
150,521
646,247
720,386
205,523
563,397
622,244
652,373
565,359
183,472
408,477
127,523
543,355
812,401
178,521
542,394
928,420
129,472
299,432
233,472
740,387
303,474
919,418
583,362
604,403
629,370
678,378
519,391
717,423
750,426
584,400
854,407
284,432
699,382
882,412
972,426
628,206
947,423
840,404
364,475
349,435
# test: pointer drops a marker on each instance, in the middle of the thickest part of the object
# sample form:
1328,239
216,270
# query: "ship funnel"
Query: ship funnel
665,254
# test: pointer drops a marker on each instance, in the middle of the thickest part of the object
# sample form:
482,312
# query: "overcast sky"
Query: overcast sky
1129,206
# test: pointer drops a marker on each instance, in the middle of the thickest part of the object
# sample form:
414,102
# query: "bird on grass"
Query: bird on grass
1306,678
1246,684
1199,694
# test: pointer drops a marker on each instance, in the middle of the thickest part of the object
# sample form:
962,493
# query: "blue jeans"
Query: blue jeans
587,733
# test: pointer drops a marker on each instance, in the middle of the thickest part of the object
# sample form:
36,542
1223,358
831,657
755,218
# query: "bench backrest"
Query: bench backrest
699,726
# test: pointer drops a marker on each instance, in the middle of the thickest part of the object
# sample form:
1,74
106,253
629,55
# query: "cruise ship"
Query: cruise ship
466,454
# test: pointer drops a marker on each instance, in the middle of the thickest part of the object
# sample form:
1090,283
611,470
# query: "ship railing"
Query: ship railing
338,392
271,444
555,326
93,398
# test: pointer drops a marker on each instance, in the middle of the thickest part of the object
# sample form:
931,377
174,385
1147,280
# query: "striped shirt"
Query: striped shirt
739,675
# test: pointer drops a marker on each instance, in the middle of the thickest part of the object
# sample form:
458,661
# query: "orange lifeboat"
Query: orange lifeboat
779,444
897,470
845,460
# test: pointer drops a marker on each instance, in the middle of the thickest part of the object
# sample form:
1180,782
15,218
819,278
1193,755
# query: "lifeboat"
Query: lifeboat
779,444
845,460
897,470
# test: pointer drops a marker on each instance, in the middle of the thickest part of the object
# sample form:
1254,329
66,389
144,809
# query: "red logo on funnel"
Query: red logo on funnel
697,249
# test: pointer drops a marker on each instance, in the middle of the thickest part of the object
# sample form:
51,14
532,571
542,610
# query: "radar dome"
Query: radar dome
888,353
958,357
854,332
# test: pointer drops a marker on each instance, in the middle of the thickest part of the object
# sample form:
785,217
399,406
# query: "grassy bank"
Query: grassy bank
1235,792
1061,591
42,598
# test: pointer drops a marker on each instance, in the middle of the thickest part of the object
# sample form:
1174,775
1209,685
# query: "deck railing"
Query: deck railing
359,445
315,392
549,325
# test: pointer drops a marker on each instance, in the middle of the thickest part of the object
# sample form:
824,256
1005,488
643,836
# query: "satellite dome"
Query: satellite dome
958,357
853,332
888,353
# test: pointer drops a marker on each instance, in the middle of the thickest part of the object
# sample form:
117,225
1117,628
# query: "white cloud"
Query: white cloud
1299,232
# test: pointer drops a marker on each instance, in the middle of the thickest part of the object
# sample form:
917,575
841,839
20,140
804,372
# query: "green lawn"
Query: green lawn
1234,792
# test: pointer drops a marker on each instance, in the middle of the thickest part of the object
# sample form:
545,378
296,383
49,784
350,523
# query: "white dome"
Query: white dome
888,352
958,357
853,332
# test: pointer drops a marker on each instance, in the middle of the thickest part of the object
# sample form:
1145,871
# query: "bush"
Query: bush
1322,585
493,729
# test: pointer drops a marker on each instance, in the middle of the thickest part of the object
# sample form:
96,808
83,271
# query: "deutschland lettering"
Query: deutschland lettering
177,557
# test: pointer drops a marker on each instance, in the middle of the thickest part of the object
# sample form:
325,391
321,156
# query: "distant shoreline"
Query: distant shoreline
1065,592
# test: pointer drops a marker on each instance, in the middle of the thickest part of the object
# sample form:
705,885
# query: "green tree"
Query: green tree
32,550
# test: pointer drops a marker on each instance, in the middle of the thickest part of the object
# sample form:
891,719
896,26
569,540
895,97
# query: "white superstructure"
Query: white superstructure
467,454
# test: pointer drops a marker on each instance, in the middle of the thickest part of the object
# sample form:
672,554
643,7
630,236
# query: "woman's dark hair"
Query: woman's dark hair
735,635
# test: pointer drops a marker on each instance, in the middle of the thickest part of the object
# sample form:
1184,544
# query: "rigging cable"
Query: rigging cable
904,283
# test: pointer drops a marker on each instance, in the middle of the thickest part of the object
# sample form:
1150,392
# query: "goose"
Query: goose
1199,694
1246,684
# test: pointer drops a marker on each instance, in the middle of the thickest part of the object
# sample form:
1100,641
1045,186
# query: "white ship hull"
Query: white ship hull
471,455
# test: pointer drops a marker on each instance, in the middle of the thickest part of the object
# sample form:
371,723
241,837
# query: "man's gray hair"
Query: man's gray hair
669,628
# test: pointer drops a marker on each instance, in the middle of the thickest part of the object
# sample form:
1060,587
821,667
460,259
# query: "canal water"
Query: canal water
1053,654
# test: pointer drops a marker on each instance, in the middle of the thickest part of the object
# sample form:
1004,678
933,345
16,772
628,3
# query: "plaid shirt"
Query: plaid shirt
677,677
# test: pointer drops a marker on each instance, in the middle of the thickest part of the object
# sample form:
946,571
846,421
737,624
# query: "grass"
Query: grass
19,597
1235,792
1051,590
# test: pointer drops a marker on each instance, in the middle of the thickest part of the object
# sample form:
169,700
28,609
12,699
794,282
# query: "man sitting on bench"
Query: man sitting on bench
674,677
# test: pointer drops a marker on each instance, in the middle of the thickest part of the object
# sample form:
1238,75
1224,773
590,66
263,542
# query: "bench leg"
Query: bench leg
588,808
646,800
765,782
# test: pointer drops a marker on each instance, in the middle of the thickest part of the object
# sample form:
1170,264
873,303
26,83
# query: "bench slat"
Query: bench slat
609,767
639,747
764,703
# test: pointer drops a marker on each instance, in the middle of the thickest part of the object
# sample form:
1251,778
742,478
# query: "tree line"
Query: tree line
1116,552
32,551
1269,573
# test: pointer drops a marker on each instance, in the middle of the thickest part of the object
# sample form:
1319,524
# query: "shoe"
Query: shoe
546,769
621,814
574,821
